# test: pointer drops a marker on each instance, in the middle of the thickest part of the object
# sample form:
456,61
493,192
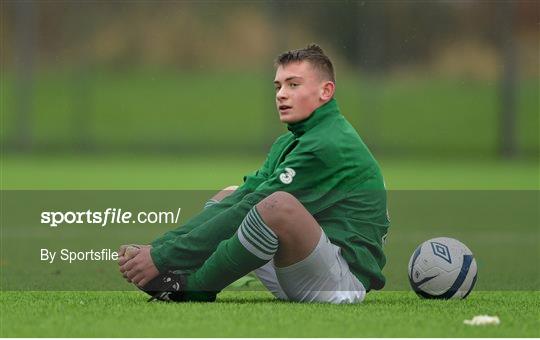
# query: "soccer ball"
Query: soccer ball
442,268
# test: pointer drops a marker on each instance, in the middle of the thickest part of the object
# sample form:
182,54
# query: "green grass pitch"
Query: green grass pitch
507,259
257,314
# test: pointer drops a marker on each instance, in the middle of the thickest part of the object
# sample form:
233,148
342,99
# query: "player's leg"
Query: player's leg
298,232
323,276
268,277
128,251
266,274
278,226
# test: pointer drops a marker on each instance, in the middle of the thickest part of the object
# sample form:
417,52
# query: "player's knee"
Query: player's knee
231,188
224,193
280,203
278,207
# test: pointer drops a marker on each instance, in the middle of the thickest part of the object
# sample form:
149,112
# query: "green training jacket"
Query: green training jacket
323,162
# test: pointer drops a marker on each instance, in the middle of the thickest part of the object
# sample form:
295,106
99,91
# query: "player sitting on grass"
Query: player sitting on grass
310,222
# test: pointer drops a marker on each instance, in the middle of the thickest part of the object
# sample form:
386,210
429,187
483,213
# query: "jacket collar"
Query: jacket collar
321,114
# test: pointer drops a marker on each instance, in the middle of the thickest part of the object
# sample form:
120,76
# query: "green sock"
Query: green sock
251,247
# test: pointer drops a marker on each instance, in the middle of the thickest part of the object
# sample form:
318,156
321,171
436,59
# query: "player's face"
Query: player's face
299,91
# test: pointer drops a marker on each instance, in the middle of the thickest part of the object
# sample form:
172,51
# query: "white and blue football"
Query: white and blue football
442,268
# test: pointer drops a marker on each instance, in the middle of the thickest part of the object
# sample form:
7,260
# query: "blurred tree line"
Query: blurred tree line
375,36
494,42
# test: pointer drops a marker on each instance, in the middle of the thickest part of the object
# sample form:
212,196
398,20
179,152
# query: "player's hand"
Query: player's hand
140,269
122,252
125,253
122,249
128,251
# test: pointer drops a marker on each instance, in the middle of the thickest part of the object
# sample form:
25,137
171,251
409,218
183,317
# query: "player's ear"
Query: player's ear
327,90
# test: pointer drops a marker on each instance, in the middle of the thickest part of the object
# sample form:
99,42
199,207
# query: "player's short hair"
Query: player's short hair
313,54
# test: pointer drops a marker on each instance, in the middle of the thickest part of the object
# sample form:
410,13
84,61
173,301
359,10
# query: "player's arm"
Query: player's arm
210,211
229,198
213,200
301,174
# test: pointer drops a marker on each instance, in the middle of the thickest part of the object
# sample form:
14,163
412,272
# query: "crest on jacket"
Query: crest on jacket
287,176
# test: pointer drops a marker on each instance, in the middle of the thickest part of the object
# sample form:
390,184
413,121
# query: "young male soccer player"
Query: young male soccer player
310,222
